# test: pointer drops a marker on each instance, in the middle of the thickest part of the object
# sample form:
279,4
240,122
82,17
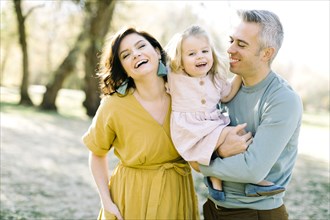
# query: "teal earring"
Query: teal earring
123,87
162,70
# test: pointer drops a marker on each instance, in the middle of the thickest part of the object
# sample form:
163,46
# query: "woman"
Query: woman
151,181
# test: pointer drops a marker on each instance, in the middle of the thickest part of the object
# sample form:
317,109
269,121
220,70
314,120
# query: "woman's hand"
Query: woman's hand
194,165
112,210
236,142
99,168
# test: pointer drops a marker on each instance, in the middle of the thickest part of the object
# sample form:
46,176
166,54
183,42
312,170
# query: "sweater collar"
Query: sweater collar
260,85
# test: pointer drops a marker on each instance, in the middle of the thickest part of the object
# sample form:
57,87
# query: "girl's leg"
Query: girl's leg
223,136
265,183
216,183
215,188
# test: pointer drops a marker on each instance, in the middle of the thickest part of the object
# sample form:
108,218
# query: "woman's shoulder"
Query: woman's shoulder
109,99
115,100
114,105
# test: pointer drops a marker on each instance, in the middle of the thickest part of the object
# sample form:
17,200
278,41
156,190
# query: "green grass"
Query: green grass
317,120
68,103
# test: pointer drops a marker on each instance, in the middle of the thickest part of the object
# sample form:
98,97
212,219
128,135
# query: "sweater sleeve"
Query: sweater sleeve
280,120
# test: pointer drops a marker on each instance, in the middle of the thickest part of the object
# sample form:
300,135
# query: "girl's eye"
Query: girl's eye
205,51
231,41
191,54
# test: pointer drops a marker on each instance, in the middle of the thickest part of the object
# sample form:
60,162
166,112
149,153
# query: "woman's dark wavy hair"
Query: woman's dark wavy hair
111,72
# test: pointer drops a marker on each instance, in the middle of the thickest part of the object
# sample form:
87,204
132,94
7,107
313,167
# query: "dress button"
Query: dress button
201,83
203,101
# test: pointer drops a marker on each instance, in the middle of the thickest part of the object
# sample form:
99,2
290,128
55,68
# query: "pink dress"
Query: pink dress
196,123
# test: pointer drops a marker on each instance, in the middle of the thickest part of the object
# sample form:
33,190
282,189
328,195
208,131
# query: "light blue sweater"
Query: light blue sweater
272,111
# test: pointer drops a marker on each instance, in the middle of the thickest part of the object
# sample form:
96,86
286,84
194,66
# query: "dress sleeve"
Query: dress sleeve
224,86
100,135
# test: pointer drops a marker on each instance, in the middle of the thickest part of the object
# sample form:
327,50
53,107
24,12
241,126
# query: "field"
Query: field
45,174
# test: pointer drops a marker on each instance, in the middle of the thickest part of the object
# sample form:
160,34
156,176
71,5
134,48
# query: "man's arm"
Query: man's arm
237,141
278,123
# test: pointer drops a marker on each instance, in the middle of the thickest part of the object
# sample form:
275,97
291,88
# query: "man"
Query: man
272,111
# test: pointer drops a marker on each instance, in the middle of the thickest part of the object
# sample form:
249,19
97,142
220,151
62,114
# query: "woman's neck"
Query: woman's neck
150,91
153,98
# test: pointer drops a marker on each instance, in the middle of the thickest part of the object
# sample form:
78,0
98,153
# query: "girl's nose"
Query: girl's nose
200,55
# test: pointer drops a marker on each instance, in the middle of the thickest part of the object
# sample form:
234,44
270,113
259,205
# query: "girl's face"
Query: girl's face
137,56
197,56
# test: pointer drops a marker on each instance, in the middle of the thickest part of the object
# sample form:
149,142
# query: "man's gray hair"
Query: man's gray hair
271,33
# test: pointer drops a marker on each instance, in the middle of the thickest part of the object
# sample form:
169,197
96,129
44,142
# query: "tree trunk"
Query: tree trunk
63,71
25,98
5,56
98,28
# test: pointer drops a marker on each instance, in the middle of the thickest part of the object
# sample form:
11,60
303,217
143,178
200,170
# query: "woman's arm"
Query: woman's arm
99,169
194,165
235,85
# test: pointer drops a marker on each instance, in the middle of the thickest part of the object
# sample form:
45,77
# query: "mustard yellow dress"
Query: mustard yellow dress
151,181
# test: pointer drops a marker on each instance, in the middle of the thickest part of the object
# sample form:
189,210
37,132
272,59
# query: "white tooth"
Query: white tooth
138,63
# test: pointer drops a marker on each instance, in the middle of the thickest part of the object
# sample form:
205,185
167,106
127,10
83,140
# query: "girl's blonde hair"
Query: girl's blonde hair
174,52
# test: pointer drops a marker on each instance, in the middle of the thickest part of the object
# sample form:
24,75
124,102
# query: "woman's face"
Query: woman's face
137,56
197,59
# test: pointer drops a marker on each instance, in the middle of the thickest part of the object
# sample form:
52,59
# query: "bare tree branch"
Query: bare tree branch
32,9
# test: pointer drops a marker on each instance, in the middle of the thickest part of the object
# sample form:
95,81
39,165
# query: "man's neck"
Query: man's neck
255,78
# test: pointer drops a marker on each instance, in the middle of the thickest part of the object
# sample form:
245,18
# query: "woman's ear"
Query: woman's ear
158,52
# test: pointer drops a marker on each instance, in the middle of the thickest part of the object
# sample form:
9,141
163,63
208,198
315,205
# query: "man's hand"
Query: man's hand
236,142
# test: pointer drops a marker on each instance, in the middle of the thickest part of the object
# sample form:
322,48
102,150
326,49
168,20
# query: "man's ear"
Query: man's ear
268,53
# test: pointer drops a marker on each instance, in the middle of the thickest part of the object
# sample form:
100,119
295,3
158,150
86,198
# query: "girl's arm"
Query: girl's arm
99,169
235,85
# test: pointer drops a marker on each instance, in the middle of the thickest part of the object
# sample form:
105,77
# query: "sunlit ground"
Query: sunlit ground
314,136
45,175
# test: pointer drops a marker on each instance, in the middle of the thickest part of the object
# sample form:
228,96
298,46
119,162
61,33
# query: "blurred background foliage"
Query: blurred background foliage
64,39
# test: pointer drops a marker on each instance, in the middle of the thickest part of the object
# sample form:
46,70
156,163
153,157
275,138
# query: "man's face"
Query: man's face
244,51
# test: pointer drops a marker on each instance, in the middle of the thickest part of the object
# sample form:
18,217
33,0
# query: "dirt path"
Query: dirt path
45,175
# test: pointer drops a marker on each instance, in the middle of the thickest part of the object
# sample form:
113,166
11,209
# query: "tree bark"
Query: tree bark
99,26
63,71
5,57
25,98
95,27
